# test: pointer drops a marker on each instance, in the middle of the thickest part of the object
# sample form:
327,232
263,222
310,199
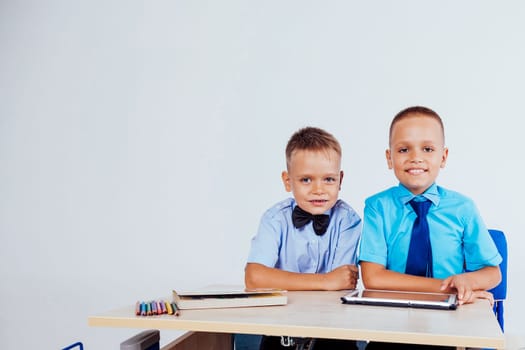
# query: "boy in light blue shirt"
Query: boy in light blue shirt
308,242
457,239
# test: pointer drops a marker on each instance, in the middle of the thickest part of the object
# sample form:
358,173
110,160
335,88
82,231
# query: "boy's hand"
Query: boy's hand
461,284
343,277
465,289
482,294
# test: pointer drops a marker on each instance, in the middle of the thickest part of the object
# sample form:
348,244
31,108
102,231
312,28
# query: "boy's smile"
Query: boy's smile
314,178
417,152
416,171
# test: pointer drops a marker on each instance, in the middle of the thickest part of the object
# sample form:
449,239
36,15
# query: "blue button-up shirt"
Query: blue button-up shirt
458,236
279,244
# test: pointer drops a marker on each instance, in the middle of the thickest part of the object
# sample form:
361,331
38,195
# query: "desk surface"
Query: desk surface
322,315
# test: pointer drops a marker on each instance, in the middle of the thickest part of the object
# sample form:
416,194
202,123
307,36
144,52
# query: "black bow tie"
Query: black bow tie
301,218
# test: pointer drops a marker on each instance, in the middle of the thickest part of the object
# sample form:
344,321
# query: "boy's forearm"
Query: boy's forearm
406,282
485,278
376,276
260,276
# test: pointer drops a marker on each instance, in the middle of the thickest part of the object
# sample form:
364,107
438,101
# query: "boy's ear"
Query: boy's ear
388,158
341,174
286,181
444,158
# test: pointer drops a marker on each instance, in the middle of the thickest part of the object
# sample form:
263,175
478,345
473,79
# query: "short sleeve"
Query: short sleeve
479,248
373,247
265,244
348,238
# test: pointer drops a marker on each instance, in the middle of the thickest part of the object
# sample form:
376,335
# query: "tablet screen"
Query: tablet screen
400,298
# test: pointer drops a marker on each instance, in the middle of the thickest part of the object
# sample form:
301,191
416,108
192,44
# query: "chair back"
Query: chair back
72,346
500,291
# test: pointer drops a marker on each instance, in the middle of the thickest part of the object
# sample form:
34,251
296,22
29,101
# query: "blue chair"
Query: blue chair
72,346
500,291
145,340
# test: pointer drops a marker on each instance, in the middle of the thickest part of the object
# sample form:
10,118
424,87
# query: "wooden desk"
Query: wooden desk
322,315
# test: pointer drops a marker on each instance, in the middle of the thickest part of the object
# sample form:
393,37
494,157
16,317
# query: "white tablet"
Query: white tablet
401,299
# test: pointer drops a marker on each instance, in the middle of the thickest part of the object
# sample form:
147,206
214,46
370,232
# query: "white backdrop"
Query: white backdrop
140,142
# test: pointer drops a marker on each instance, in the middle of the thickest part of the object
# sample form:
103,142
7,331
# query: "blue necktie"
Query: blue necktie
419,260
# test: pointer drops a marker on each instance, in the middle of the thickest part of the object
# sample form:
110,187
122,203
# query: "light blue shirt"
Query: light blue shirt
458,236
279,244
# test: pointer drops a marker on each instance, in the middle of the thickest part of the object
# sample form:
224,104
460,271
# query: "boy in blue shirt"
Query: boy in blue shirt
308,242
457,240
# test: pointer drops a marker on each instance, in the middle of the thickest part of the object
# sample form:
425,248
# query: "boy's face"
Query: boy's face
314,178
417,152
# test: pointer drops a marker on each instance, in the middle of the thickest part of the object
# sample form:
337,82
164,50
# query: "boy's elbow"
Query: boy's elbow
250,276
370,283
369,272
497,276
248,283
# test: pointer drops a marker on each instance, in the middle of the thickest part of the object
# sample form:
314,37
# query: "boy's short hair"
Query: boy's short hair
311,139
410,112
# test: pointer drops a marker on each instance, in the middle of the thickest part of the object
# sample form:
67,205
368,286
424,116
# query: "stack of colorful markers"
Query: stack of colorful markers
151,308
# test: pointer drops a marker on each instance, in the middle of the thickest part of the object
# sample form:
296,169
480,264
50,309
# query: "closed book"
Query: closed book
212,299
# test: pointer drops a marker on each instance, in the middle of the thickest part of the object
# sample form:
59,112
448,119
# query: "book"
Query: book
212,299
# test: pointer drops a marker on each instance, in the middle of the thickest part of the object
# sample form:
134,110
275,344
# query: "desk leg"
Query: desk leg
201,340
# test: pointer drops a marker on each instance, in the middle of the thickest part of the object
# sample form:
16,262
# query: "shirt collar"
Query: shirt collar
328,212
431,193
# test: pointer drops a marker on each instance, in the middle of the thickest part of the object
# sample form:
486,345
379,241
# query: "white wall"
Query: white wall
140,142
